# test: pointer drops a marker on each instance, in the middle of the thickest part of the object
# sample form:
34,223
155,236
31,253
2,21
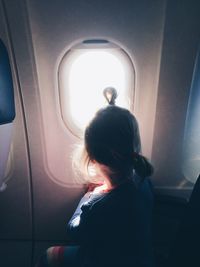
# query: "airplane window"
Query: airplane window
191,149
85,71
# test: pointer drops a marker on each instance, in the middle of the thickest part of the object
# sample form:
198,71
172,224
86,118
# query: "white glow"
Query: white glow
90,73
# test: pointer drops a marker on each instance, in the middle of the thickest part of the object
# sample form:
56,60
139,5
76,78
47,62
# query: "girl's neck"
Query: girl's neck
121,181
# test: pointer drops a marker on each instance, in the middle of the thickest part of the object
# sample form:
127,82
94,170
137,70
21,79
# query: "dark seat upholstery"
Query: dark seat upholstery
186,250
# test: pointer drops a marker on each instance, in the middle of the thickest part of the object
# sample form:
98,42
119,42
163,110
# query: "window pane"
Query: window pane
84,74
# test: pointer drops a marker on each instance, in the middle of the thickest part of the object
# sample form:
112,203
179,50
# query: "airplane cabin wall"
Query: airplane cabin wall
41,194
54,28
41,32
180,47
172,190
15,201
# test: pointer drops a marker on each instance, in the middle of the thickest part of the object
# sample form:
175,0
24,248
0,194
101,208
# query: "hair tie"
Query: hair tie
110,95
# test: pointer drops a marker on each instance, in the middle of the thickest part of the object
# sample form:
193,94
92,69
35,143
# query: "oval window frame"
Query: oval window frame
92,44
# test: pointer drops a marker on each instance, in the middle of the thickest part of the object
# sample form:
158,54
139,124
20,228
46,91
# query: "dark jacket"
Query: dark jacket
114,229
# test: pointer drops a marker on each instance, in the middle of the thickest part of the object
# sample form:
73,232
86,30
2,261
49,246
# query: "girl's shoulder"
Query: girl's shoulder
93,201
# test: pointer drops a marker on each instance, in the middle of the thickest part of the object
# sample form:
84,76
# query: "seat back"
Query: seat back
7,111
186,251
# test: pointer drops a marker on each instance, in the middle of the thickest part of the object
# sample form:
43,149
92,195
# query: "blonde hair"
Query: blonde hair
81,164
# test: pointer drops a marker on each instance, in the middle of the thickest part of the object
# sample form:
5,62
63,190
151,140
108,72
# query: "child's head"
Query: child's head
112,139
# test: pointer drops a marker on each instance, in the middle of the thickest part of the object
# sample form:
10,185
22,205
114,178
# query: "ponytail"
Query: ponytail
142,166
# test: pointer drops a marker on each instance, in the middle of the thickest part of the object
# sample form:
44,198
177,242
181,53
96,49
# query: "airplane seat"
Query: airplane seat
185,251
7,111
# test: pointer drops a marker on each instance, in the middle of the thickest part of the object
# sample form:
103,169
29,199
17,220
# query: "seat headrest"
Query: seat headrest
7,105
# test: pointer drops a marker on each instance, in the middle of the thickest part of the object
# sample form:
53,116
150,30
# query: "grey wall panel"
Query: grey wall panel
43,31
181,40
13,253
15,204
135,25
53,204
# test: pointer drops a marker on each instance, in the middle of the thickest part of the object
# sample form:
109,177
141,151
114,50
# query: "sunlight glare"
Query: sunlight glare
90,73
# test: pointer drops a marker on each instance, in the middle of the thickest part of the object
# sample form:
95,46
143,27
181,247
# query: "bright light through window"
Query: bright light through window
90,74
84,74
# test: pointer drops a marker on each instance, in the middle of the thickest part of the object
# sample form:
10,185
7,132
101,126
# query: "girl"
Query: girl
112,224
